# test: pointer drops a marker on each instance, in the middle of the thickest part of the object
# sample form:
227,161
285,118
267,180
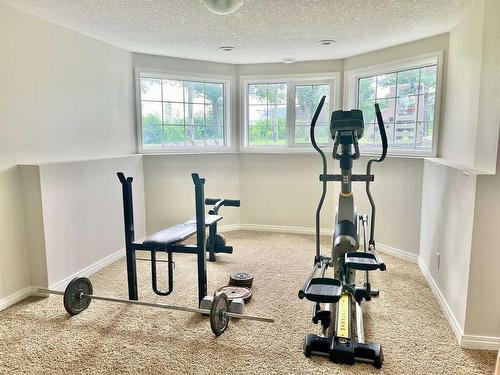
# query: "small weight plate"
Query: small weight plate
218,318
241,279
73,302
233,292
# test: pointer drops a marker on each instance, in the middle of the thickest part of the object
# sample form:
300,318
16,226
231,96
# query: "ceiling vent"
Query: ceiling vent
288,60
227,48
326,42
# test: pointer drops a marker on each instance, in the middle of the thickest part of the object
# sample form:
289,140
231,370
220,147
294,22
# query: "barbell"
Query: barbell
79,293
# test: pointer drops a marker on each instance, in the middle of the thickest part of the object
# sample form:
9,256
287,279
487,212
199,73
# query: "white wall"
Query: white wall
83,213
458,136
416,48
283,190
62,95
169,189
489,99
459,208
483,299
448,198
33,224
483,302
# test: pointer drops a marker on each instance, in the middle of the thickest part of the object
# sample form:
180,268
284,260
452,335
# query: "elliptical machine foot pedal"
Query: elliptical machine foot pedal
323,290
361,261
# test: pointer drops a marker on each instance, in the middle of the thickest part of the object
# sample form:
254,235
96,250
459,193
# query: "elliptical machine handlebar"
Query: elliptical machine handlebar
313,126
325,171
383,134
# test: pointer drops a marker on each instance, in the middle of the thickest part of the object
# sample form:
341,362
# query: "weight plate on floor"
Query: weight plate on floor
73,302
218,318
233,292
241,279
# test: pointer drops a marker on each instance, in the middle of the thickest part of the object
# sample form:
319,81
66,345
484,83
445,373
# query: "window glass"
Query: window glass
267,110
181,113
407,101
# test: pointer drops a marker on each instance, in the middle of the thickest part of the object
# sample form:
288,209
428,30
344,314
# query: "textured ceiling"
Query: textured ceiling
261,30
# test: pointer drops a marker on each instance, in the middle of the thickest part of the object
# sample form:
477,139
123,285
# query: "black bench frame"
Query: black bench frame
176,247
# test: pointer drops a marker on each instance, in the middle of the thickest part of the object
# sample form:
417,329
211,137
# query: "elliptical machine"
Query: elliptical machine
337,300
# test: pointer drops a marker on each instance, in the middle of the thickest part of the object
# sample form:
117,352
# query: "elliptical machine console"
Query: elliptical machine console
337,300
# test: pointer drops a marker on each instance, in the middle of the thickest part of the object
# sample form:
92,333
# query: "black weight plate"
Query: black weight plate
220,241
233,292
73,302
218,318
241,279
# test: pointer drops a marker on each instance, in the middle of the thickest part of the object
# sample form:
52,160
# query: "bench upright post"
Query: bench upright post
200,235
128,218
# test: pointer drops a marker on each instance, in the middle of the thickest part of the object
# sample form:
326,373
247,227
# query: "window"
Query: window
407,94
181,113
267,107
278,112
307,98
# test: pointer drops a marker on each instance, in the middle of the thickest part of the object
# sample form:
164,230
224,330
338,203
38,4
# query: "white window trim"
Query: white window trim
351,78
228,82
292,80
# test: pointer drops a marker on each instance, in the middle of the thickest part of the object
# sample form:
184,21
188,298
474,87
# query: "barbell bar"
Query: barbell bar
79,293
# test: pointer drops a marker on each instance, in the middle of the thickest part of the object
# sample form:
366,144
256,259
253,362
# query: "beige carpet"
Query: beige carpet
37,336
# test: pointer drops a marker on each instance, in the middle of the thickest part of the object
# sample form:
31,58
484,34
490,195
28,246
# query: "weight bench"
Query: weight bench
169,240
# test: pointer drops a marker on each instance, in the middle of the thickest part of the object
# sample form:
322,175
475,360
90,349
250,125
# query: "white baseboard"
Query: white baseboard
465,341
15,298
60,285
228,227
398,253
89,270
480,342
283,229
455,326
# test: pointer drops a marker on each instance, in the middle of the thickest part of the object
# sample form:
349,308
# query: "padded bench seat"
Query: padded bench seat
209,220
177,233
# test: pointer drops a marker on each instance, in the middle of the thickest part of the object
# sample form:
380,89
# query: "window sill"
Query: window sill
327,151
466,169
264,150
187,151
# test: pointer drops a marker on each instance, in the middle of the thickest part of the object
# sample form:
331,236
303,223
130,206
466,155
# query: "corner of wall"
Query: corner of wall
14,274
33,222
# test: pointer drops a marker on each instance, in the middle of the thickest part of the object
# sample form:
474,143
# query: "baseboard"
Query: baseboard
228,228
15,298
457,330
465,341
398,253
283,229
480,342
87,271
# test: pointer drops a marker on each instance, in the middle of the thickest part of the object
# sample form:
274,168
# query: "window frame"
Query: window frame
332,78
226,81
351,91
